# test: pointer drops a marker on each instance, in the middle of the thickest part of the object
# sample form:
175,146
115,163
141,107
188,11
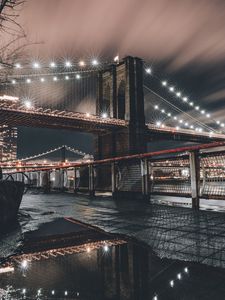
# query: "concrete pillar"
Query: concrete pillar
145,178
91,180
113,176
74,180
195,178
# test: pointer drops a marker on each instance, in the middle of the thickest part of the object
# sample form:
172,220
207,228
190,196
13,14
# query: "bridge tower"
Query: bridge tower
120,95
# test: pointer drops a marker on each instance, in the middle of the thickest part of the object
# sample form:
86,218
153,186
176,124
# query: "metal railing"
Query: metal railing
196,172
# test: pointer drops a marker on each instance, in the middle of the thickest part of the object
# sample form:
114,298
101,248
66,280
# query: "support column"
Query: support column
75,181
145,178
113,177
91,180
195,178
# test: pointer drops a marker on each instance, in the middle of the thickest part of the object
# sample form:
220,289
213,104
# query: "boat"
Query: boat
11,193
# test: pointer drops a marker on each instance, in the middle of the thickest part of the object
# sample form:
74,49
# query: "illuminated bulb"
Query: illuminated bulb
52,65
155,297
53,292
222,125
200,129
66,293
177,127
180,121
42,79
24,291
106,248
158,123
39,292
164,83
36,65
175,118
185,99
197,107
178,94
94,62
156,107
171,283
13,81
218,122
186,124
87,114
208,115
202,112
179,276
27,104
148,71
191,126
78,76
169,114
55,78
81,63
28,80
104,115
163,111
88,249
68,64
24,264
191,103
67,77
186,268
171,89
18,66
163,125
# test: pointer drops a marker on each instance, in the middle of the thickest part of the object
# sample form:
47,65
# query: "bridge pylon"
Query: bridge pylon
120,95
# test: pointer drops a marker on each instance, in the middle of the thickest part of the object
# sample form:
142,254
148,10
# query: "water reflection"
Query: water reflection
106,271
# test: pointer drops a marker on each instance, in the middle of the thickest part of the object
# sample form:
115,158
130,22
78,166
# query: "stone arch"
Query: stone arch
121,100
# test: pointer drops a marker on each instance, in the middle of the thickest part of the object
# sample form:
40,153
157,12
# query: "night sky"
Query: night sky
183,41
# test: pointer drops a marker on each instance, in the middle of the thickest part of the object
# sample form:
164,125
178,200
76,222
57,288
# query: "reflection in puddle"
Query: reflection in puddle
102,268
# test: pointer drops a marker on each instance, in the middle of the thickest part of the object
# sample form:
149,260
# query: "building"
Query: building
8,135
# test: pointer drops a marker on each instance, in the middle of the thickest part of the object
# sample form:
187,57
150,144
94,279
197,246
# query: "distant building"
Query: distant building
8,135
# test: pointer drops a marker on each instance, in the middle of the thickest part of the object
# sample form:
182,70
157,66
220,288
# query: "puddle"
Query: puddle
66,259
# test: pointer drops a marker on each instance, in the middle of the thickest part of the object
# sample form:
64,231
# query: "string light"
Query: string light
52,64
68,64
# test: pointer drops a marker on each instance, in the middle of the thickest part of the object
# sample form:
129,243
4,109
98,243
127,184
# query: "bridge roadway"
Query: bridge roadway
14,115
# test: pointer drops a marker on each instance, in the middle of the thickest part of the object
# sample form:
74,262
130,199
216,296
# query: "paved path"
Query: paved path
172,232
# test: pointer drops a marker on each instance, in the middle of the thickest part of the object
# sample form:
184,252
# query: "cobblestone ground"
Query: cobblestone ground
172,232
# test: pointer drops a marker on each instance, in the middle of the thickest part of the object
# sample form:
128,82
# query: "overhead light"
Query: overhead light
104,115
78,76
164,83
156,106
148,71
171,89
67,77
42,79
81,63
13,81
28,80
18,66
55,78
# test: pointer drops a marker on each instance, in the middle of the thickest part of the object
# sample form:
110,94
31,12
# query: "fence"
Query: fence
196,172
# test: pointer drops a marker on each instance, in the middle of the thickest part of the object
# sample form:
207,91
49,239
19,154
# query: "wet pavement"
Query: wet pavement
166,241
